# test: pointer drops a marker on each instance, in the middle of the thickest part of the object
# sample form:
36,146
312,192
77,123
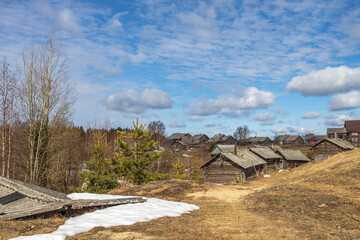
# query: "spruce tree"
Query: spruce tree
136,154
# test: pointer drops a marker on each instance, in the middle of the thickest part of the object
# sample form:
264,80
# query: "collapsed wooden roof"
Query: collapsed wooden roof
21,200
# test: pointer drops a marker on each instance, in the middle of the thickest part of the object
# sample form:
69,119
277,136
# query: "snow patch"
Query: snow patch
114,216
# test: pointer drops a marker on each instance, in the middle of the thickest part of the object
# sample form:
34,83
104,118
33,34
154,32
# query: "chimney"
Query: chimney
235,148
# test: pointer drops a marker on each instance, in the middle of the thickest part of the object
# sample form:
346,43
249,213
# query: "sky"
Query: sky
279,67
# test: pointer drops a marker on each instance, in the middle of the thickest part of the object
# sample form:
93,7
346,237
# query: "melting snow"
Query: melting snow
114,216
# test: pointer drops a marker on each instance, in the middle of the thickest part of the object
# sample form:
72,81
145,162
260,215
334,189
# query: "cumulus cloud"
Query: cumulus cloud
234,104
266,119
131,101
177,125
210,124
310,115
291,130
337,120
345,101
326,81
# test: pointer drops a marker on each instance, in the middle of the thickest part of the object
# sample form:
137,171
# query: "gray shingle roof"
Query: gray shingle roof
265,152
291,155
336,130
223,148
176,136
341,143
244,158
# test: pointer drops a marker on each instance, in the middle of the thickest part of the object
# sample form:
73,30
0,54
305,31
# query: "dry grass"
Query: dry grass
314,201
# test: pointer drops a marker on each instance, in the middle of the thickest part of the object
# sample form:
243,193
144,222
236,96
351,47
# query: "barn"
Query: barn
267,154
329,147
291,158
228,167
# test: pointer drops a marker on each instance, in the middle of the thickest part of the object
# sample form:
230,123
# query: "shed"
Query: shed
268,155
329,147
19,200
227,167
291,158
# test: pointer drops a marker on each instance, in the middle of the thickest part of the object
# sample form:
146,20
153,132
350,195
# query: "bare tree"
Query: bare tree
8,85
157,128
242,132
47,99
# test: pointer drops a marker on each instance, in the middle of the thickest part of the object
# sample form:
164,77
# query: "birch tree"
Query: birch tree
8,87
47,99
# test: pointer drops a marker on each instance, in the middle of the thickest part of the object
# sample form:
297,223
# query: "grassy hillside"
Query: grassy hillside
322,199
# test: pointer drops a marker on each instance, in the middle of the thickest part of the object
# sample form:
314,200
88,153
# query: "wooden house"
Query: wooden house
329,147
183,137
198,140
263,141
19,200
290,158
266,153
294,140
222,139
353,131
279,140
178,146
314,140
228,167
336,133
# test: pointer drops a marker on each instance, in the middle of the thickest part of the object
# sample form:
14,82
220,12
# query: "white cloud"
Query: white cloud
234,104
326,81
196,118
68,20
114,23
264,117
345,101
337,120
177,125
130,101
310,115
291,130
210,124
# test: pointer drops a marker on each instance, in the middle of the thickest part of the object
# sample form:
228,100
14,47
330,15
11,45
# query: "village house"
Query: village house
290,158
199,140
289,139
19,200
314,139
266,153
228,167
222,139
183,137
329,147
258,141
353,131
336,133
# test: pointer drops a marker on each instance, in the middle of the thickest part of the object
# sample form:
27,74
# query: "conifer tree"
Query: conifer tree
99,177
136,154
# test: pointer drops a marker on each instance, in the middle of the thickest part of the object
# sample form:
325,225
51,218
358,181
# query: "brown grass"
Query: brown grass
314,201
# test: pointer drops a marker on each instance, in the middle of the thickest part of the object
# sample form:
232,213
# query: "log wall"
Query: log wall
325,150
221,171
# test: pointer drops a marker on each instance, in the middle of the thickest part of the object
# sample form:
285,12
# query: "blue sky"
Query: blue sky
280,67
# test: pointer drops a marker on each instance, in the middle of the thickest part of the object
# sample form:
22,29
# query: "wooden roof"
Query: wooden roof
216,138
22,200
291,139
223,148
291,155
338,142
336,130
257,139
177,136
265,152
244,158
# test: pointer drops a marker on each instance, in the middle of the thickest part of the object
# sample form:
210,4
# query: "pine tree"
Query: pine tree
136,154
99,177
